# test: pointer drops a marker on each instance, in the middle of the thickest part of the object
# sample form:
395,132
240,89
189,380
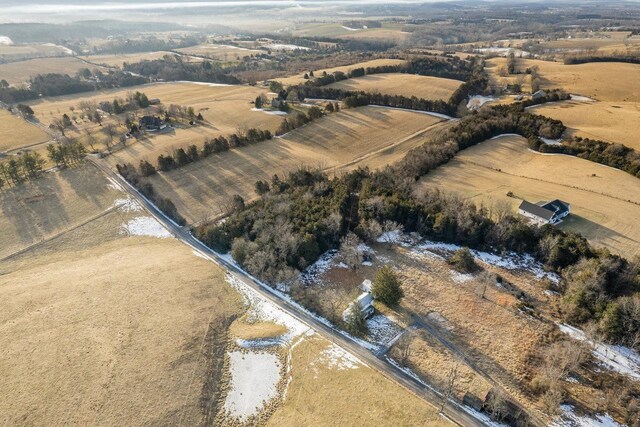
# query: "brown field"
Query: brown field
18,73
220,52
224,108
604,81
28,51
601,43
294,80
313,395
100,328
364,136
605,202
433,88
37,210
388,32
16,132
118,59
607,121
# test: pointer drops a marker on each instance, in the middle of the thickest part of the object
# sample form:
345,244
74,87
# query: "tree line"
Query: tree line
574,60
172,68
54,84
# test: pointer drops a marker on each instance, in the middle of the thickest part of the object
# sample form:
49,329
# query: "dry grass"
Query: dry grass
364,136
16,132
321,395
605,202
389,32
258,330
220,52
40,209
604,81
402,84
295,80
608,121
18,73
104,329
601,43
28,51
224,108
116,60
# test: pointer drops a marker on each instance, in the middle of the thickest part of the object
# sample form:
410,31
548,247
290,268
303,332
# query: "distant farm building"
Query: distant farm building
545,213
151,123
366,302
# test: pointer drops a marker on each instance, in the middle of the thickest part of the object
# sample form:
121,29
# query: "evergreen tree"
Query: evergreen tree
387,287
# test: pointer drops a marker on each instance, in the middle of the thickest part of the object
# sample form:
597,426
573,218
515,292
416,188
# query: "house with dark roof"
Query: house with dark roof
545,212
151,123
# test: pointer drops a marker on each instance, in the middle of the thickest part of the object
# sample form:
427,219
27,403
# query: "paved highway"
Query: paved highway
452,410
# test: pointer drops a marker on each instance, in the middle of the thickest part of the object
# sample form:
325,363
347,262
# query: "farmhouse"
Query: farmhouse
366,302
545,213
151,123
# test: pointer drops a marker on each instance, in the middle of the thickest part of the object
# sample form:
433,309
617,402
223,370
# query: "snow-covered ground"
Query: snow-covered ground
350,29
429,113
614,357
552,141
382,329
505,51
254,380
477,101
145,226
4,40
127,205
581,98
336,358
272,112
570,419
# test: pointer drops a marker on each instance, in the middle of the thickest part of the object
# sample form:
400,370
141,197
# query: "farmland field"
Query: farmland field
363,136
426,87
388,32
224,108
28,51
294,80
604,81
619,42
18,73
608,121
16,133
118,60
219,52
122,314
605,202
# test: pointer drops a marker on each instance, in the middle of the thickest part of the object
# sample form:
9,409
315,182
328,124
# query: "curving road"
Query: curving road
451,410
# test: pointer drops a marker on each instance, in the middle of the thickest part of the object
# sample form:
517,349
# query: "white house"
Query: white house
545,213
366,302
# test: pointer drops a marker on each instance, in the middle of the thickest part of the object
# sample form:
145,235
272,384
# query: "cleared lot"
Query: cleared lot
605,202
16,133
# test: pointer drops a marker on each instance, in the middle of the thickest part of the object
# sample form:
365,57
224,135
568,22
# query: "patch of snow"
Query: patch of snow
505,135
63,48
477,101
254,380
483,418
127,205
581,98
570,419
342,265
505,51
199,83
382,329
461,277
367,263
390,237
114,185
322,265
263,310
509,261
336,358
350,29
551,141
615,357
4,40
145,226
272,112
